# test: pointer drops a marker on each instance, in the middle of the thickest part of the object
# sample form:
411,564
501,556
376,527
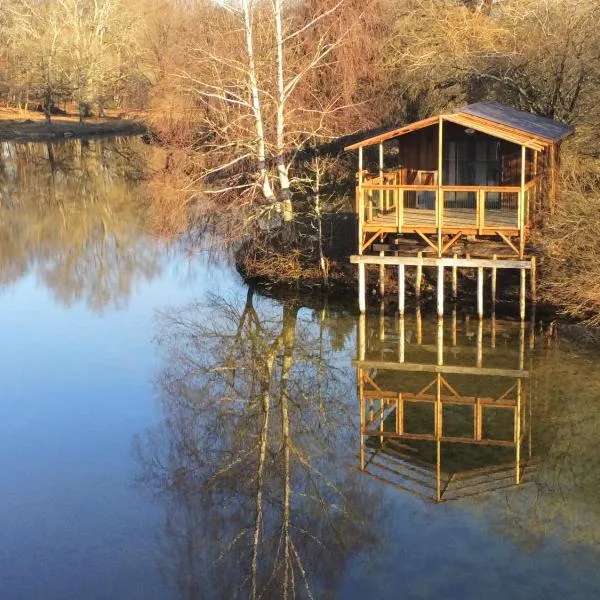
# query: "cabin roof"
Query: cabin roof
491,118
519,119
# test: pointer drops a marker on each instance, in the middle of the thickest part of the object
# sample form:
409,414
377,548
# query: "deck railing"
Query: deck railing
474,209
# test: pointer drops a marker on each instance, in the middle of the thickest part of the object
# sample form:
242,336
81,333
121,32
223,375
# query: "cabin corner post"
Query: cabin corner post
440,193
361,201
522,208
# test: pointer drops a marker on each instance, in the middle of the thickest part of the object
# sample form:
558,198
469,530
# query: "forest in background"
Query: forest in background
251,98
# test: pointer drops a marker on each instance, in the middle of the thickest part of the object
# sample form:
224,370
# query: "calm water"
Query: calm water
167,433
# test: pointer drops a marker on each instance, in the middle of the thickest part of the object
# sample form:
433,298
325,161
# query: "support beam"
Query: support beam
440,194
455,278
419,260
401,289
445,369
480,344
522,207
440,291
381,276
419,277
522,295
480,292
401,339
361,334
454,336
533,280
362,288
494,283
440,341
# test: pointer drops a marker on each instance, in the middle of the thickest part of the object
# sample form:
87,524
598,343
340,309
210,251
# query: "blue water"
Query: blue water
128,464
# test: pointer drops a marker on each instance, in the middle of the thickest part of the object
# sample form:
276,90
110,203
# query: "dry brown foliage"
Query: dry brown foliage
571,242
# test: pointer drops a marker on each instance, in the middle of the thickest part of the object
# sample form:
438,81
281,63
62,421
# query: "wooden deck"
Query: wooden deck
452,219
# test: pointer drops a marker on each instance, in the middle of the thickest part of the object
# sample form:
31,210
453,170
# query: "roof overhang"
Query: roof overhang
489,127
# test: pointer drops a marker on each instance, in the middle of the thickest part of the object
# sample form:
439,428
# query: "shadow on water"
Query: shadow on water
73,214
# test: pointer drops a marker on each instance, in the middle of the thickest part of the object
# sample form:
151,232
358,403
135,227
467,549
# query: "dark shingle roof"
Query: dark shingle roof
505,115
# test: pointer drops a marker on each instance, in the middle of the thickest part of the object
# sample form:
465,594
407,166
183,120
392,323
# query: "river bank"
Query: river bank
31,126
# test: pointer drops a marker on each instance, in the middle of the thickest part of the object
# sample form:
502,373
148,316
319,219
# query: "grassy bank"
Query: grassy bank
32,126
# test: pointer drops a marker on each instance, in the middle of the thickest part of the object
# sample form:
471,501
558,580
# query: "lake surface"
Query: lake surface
167,433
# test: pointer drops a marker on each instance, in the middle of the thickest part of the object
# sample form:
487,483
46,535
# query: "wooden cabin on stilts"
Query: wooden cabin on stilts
461,190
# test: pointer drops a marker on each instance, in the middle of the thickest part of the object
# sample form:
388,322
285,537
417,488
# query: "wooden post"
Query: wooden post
400,209
478,420
401,289
536,157
401,337
522,346
363,418
439,427
382,199
494,281
419,325
480,344
362,288
518,433
533,280
481,210
362,336
440,341
440,192
493,342
522,207
480,292
522,295
399,415
361,200
419,277
454,327
455,279
438,471
440,291
381,276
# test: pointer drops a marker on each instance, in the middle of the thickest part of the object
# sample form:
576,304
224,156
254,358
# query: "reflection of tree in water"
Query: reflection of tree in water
73,214
246,458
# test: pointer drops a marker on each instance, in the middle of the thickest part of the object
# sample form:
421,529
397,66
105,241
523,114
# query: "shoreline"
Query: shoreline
32,127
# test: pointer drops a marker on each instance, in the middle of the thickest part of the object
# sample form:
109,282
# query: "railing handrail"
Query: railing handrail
445,188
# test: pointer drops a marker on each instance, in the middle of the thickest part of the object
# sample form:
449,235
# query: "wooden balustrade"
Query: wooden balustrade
392,212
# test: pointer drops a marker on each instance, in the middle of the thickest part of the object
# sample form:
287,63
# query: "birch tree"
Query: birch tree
255,65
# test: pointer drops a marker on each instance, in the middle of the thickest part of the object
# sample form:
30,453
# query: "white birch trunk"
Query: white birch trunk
282,169
256,107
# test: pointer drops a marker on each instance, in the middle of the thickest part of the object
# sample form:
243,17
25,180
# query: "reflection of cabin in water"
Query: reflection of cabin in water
434,420
441,186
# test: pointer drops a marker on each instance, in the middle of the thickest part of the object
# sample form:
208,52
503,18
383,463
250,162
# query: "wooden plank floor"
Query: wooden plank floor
453,217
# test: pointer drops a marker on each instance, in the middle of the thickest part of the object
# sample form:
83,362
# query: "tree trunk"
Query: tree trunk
267,191
282,169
